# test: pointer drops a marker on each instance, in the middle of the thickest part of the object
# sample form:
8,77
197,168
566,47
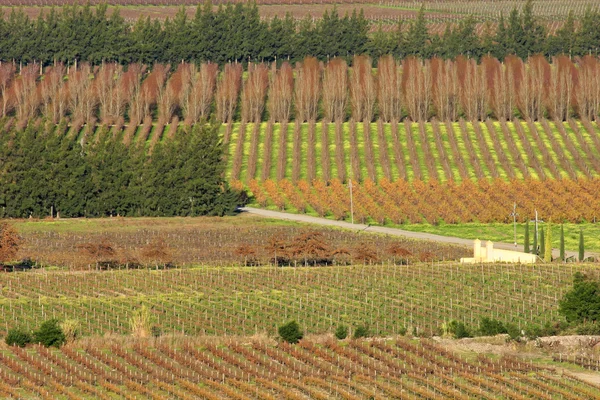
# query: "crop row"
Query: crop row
414,151
208,242
400,202
188,369
244,301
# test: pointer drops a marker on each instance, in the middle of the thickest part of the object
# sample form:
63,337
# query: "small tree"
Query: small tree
526,248
290,332
361,331
534,250
542,252
9,242
140,322
18,337
581,245
491,327
341,332
581,303
562,242
70,328
49,334
457,329
548,244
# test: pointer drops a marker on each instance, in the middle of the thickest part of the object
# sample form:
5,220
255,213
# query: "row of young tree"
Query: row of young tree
236,32
44,171
413,88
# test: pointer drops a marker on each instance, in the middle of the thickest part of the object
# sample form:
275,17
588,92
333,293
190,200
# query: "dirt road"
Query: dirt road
381,229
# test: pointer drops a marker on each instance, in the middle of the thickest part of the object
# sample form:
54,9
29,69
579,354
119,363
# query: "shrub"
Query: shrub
49,334
18,337
140,322
491,327
458,329
290,332
582,302
361,331
513,332
70,328
341,332
588,328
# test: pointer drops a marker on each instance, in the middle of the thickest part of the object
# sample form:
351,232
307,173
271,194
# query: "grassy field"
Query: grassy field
505,233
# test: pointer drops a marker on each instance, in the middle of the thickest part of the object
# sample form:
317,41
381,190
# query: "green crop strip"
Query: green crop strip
318,150
490,144
260,150
448,150
419,150
331,149
303,150
377,147
463,149
473,136
410,173
360,140
431,142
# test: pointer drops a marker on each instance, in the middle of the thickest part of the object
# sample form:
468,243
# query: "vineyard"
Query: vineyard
206,241
243,301
183,368
475,170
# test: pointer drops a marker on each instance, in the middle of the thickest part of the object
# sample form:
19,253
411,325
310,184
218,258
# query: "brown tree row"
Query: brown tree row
402,202
417,89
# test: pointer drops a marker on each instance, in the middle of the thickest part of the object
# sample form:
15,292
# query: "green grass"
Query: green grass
505,233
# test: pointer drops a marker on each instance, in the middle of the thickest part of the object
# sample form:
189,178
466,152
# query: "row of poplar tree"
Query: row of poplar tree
236,32
44,170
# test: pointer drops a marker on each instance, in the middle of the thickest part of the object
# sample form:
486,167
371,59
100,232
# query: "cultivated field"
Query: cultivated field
185,368
248,300
133,242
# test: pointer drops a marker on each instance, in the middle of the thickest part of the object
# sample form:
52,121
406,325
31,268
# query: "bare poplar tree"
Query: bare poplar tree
474,92
362,89
197,91
228,89
445,89
253,94
25,89
7,73
531,88
389,89
560,90
588,88
416,80
133,86
335,89
281,90
106,84
50,88
307,90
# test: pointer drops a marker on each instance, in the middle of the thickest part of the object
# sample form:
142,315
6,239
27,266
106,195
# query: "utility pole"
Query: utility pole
351,202
514,215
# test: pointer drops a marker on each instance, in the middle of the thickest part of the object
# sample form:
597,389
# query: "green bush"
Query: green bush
458,329
341,332
291,332
588,328
491,327
513,332
402,331
49,334
582,302
361,331
18,337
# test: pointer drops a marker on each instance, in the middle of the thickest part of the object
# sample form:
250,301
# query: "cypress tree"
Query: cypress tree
526,248
548,244
581,245
535,243
562,242
542,251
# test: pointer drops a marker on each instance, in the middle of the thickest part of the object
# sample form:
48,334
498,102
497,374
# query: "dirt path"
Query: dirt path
381,229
